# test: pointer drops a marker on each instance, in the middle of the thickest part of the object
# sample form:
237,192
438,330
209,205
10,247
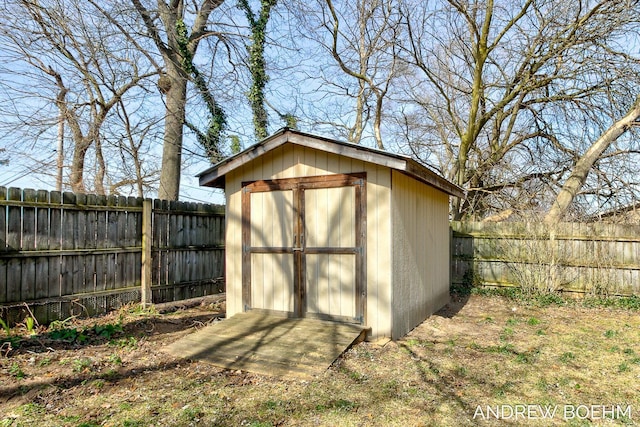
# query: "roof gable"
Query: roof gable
215,176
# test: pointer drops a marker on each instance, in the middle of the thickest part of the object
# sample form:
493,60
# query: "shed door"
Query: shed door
304,246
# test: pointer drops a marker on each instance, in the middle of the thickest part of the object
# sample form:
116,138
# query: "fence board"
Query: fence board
3,226
55,243
3,281
14,219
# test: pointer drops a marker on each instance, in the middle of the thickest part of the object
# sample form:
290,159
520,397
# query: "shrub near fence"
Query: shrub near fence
591,258
63,254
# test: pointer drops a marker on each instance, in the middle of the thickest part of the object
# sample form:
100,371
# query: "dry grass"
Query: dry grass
487,351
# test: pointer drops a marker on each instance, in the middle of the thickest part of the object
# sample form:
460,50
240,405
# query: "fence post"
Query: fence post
147,244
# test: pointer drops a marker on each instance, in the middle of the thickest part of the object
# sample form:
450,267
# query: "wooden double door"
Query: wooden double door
304,246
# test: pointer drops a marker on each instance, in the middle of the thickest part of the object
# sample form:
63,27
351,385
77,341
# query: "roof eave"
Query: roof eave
215,175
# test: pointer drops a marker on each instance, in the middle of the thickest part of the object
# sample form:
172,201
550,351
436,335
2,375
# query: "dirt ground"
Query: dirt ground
484,360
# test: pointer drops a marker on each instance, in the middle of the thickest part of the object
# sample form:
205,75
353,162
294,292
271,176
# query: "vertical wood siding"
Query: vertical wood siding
420,252
330,222
290,161
272,274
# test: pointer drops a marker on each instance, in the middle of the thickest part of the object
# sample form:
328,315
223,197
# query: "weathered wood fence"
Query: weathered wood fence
592,258
64,254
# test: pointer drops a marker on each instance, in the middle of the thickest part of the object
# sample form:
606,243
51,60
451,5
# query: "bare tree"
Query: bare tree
585,163
360,40
501,86
163,25
61,45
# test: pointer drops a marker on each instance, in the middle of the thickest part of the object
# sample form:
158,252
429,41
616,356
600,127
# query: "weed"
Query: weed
512,322
527,356
412,342
610,333
541,332
6,328
138,310
30,324
343,405
390,388
623,367
501,349
126,342
68,335
60,324
357,377
44,362
256,424
99,384
111,374
506,334
636,360
191,414
629,351
532,321
10,340
542,385
502,389
31,409
16,372
552,299
567,357
108,330
471,280
270,405
115,359
461,371
82,364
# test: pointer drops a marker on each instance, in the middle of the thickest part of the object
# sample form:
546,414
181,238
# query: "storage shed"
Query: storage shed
321,228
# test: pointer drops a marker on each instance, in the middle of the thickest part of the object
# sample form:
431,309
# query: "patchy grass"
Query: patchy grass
485,352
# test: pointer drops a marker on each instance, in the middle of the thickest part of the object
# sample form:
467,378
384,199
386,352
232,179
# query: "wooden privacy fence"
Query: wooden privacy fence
592,258
63,254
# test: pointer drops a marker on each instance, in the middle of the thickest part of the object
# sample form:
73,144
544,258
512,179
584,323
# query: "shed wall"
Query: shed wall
289,161
420,231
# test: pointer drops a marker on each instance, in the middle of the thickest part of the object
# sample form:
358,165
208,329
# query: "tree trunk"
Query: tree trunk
585,163
77,166
173,127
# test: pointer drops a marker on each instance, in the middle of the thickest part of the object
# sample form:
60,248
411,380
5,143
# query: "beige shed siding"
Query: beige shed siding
420,252
290,161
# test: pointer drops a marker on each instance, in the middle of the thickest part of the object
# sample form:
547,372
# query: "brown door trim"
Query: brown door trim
298,186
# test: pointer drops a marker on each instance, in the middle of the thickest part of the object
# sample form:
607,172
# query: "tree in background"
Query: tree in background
64,53
257,63
508,100
504,94
358,41
164,25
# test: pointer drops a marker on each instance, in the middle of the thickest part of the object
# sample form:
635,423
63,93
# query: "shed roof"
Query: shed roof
215,175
